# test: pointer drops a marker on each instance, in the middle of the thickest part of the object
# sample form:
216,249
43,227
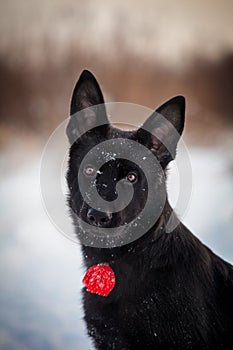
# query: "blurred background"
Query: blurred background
141,52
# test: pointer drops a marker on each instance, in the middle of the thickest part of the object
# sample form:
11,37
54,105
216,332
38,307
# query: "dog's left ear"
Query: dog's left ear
165,127
87,99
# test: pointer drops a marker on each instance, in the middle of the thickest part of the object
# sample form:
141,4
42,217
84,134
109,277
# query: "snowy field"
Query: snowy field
41,269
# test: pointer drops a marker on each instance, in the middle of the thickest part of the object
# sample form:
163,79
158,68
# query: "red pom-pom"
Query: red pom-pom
99,279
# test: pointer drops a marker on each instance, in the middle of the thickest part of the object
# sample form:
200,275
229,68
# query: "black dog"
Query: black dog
171,291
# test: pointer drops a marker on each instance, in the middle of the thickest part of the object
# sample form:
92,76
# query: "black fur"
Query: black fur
171,292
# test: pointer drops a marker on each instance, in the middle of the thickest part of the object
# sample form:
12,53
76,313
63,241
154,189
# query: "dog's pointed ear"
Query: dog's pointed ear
87,109
162,130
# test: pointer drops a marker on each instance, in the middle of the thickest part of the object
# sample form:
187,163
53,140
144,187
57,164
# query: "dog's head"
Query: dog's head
89,127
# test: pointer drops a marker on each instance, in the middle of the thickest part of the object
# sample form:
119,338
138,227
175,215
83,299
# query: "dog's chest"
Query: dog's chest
138,312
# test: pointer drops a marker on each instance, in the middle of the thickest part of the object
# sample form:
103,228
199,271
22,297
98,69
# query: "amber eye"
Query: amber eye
131,177
89,171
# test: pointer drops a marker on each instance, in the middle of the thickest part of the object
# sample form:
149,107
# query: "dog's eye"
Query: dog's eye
89,171
131,177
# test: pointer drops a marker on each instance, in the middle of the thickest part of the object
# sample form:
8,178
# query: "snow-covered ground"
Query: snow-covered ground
41,269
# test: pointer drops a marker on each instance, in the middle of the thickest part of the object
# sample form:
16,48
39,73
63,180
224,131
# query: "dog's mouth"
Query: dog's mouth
93,219
109,237
113,234
112,221
108,230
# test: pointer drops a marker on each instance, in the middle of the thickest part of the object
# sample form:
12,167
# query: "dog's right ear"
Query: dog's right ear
165,127
87,109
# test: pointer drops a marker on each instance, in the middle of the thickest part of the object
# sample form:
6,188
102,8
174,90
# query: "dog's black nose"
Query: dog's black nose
98,218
